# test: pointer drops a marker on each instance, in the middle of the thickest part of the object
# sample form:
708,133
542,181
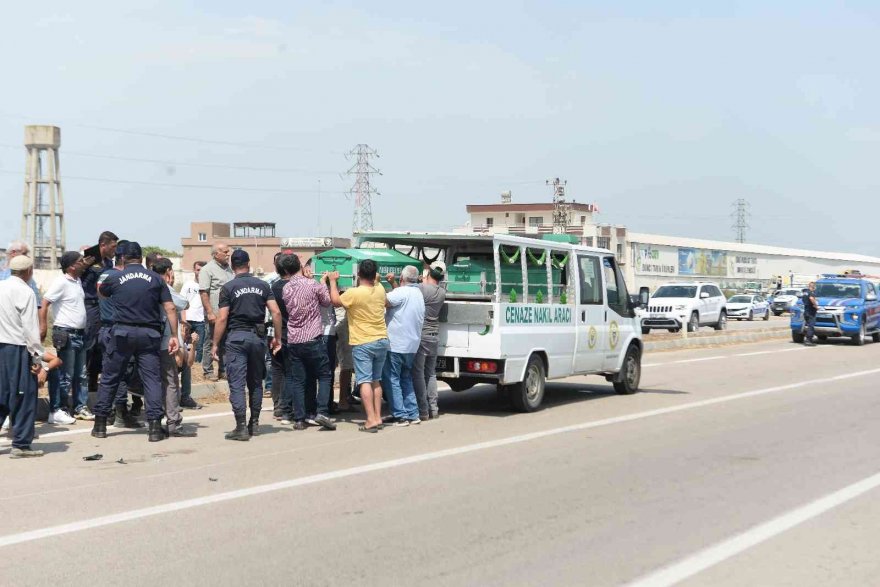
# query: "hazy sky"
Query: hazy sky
663,113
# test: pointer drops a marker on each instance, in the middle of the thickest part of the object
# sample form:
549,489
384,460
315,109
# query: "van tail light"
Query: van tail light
481,366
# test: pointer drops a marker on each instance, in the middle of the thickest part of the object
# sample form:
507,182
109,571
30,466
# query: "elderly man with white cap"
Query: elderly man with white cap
20,354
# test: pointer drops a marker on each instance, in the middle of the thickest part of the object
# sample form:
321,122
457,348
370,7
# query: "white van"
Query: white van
520,311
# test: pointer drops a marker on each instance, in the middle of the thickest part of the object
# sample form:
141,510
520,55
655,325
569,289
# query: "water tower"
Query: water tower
42,218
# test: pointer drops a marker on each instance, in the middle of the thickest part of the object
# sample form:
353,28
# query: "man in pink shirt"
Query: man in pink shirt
305,355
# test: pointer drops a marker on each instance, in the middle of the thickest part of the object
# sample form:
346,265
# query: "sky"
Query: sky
662,113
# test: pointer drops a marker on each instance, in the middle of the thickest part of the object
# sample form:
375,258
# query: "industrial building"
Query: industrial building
650,260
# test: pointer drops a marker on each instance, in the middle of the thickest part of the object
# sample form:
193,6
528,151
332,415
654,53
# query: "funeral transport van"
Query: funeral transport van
520,311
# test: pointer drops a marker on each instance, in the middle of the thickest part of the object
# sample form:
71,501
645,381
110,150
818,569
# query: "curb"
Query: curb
705,341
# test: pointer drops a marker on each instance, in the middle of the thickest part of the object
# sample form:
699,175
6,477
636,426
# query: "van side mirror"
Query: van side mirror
704,295
644,297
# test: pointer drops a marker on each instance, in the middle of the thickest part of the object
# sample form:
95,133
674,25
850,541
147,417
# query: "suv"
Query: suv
784,300
848,306
691,305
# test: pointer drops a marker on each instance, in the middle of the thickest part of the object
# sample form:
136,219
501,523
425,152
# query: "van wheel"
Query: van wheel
627,381
646,330
527,395
722,321
460,384
694,323
766,315
876,337
775,313
674,330
751,315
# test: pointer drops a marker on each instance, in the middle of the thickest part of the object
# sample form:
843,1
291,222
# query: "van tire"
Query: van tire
527,395
627,381
460,384
766,315
751,315
694,323
646,330
775,313
722,321
876,337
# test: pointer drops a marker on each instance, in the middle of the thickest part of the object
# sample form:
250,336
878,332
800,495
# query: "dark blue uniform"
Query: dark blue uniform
91,343
107,308
137,295
245,353
810,312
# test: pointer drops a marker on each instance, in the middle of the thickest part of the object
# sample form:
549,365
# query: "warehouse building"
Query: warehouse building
650,260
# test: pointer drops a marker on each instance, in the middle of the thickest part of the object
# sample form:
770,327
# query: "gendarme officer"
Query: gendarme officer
138,296
243,303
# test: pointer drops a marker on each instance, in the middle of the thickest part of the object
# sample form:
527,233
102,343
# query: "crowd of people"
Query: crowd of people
120,329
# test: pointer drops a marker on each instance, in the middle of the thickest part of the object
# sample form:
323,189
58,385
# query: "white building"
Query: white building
650,260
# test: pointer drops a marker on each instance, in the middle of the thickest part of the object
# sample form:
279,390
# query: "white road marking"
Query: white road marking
718,357
101,521
754,536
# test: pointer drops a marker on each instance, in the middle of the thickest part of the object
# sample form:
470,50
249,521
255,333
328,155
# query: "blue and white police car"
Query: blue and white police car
848,306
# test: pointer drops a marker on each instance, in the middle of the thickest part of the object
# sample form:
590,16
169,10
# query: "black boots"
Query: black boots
254,426
241,430
99,430
124,419
155,431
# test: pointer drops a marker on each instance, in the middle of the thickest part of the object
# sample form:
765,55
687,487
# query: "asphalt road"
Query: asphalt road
748,465
740,325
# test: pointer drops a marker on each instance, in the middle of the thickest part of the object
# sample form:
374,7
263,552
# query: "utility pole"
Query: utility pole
561,208
42,217
362,190
741,217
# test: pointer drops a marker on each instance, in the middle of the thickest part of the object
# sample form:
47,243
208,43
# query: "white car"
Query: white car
691,305
785,300
747,307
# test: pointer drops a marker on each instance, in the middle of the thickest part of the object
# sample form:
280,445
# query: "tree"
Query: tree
159,251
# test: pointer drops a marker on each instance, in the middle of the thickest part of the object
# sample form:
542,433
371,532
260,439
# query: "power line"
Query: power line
176,137
185,186
561,208
183,164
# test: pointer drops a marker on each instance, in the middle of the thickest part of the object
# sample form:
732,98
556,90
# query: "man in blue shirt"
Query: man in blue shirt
405,318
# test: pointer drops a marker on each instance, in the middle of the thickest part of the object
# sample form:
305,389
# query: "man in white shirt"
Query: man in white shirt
194,315
67,301
20,353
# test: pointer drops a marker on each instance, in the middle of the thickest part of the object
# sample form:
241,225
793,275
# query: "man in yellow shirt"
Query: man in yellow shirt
365,308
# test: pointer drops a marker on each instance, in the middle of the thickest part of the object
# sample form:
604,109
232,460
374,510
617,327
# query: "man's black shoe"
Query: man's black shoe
254,427
240,432
325,422
156,433
390,419
181,432
299,425
124,419
189,403
99,430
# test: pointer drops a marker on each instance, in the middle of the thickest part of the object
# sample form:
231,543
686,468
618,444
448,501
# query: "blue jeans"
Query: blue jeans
199,328
398,379
369,360
809,327
303,362
70,348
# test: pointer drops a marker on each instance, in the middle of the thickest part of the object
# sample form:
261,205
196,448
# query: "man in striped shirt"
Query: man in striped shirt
305,355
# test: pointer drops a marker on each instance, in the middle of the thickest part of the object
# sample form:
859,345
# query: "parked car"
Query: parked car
678,305
848,306
784,300
747,307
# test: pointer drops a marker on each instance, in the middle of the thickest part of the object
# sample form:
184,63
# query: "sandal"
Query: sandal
370,429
